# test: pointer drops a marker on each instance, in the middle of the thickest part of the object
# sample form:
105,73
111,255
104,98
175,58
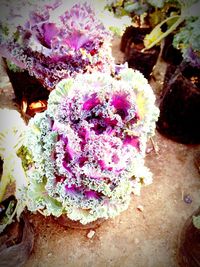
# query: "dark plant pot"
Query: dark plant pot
16,243
180,105
170,54
132,44
27,90
66,222
127,35
26,86
189,244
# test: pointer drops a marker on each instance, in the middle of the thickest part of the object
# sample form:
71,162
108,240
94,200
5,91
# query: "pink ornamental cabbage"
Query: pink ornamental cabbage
88,147
52,45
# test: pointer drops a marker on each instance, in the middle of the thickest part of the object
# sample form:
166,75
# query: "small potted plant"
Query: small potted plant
88,147
16,233
145,15
180,99
50,42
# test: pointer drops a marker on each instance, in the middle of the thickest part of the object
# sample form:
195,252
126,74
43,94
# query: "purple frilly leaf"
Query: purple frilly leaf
73,189
103,165
82,161
91,194
49,32
55,126
76,40
59,178
41,13
193,58
110,121
132,141
66,166
115,158
83,133
64,139
67,158
121,104
91,102
37,17
78,13
5,52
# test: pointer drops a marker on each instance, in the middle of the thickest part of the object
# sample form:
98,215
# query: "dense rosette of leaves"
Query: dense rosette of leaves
88,147
53,42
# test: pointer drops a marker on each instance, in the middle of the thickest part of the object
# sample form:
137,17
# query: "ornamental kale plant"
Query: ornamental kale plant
52,42
88,147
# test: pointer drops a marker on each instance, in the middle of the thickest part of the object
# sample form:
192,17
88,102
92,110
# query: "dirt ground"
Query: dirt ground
146,235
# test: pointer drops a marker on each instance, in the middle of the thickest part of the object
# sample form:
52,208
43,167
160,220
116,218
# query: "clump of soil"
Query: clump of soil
30,95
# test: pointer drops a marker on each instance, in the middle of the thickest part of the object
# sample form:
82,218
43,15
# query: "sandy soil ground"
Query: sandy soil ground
146,235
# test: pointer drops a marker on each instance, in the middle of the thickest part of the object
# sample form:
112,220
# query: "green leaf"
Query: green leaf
156,17
151,38
11,66
4,29
8,216
156,36
196,221
116,30
131,7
